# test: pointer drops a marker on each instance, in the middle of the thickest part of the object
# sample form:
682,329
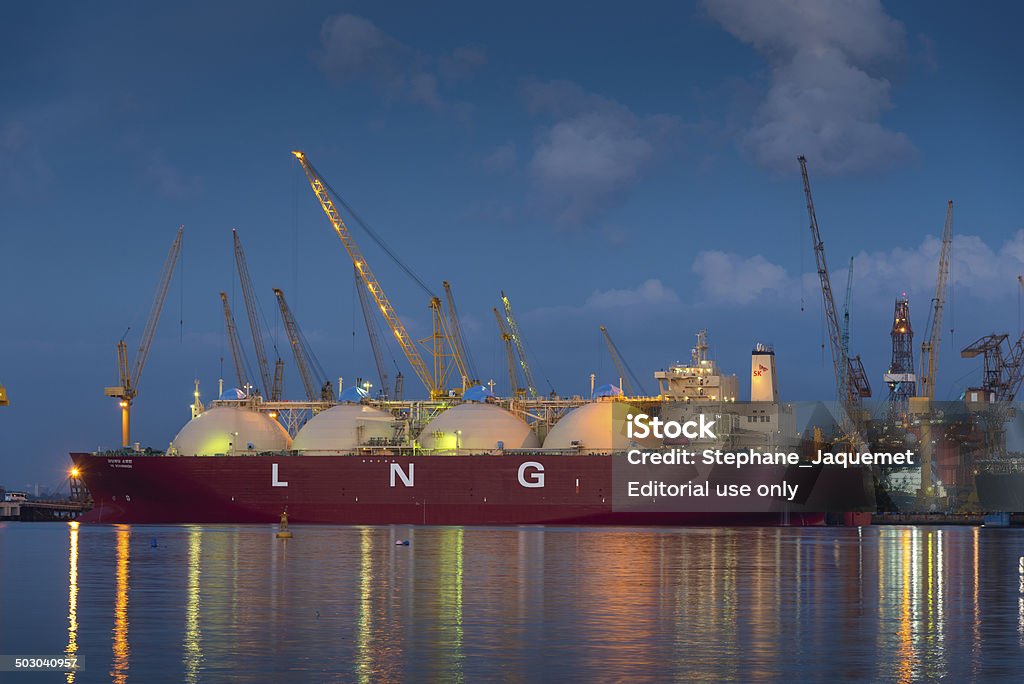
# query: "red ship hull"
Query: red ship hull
374,490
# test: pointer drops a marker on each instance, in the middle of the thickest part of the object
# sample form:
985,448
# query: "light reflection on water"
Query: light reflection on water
347,604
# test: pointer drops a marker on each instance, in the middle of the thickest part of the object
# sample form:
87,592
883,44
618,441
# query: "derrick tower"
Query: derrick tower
901,379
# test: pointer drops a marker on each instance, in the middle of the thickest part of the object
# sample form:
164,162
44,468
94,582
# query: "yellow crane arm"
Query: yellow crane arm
517,339
510,355
933,331
372,285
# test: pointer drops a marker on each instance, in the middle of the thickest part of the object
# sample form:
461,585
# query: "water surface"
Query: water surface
222,603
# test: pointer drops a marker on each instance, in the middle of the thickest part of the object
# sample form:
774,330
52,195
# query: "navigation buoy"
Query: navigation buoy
402,542
152,542
282,530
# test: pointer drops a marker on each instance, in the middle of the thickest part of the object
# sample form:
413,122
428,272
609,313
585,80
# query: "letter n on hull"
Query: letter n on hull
406,478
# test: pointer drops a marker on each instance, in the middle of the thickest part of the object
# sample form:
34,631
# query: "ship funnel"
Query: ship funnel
763,384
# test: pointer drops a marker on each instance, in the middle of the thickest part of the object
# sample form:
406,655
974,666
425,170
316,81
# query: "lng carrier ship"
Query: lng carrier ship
478,460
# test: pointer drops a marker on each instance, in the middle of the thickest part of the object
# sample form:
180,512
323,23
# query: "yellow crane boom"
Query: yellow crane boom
517,339
407,344
3,396
933,331
510,356
129,377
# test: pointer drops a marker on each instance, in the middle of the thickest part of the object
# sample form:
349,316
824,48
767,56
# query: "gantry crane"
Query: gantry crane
305,360
371,332
517,340
433,381
514,388
129,378
933,330
272,386
625,372
851,380
236,347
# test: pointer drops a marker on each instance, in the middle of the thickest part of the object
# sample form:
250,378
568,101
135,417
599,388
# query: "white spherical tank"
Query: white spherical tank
230,430
343,428
599,426
477,427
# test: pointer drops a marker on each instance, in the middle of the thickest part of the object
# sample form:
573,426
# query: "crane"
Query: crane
845,334
460,351
412,353
3,396
510,356
236,347
517,340
305,360
851,380
371,332
933,330
272,385
129,378
625,372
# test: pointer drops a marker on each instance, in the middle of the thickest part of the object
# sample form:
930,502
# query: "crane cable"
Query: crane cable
376,238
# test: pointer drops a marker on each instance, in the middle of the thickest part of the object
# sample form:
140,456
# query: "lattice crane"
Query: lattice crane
514,387
517,340
273,386
933,330
129,377
851,380
845,334
626,373
236,348
371,332
463,359
305,360
412,354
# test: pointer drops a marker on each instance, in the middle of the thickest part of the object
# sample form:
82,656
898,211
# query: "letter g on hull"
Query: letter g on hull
536,474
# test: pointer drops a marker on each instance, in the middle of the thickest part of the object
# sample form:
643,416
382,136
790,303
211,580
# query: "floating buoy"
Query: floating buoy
402,542
152,542
282,530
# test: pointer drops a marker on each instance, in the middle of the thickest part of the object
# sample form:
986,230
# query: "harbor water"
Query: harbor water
349,604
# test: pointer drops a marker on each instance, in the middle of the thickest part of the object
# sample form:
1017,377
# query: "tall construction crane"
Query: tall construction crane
272,386
514,388
305,360
851,380
933,330
517,340
845,335
371,332
463,359
431,381
236,347
129,377
625,372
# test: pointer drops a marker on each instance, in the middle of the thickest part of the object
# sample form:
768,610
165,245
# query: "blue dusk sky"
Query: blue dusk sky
635,169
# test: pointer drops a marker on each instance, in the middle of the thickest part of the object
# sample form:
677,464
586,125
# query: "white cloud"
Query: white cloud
593,152
728,277
977,269
355,49
826,97
651,293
